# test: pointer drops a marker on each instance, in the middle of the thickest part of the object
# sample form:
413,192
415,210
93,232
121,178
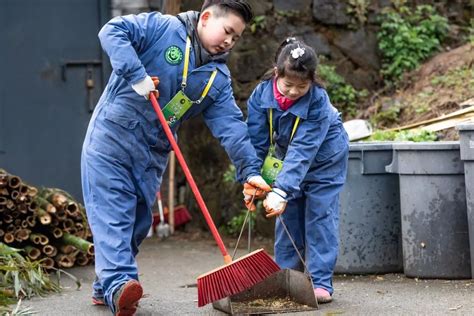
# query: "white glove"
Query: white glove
144,87
275,203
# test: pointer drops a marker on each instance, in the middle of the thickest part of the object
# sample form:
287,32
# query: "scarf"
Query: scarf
283,102
202,56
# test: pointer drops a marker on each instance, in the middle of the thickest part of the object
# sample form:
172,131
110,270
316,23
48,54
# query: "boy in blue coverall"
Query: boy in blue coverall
125,150
293,124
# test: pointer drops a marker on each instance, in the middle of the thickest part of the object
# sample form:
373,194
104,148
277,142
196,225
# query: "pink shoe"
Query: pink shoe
322,295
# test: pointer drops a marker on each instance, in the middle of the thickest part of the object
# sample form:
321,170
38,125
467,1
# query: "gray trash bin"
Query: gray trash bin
433,208
369,224
466,133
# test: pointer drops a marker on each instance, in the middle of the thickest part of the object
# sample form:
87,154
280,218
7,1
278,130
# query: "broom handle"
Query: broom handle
189,177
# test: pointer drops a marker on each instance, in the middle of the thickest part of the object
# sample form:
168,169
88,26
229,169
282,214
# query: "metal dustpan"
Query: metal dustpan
283,292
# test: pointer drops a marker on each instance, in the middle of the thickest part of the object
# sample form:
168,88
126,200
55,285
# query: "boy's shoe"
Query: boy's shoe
99,301
126,298
322,295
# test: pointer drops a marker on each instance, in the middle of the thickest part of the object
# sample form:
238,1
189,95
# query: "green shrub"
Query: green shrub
409,135
406,38
344,96
234,226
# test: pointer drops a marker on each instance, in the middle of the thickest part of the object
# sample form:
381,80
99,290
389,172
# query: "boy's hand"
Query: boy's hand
275,203
147,86
255,186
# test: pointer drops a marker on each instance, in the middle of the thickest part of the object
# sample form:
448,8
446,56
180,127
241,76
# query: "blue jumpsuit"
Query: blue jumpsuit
313,174
125,149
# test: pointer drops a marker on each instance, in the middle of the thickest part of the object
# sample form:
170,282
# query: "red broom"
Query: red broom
233,277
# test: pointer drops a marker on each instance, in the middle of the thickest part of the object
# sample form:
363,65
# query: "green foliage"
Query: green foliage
20,277
229,174
388,116
344,96
234,226
258,23
408,37
408,135
358,10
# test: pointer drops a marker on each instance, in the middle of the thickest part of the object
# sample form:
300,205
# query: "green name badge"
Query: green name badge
176,108
271,167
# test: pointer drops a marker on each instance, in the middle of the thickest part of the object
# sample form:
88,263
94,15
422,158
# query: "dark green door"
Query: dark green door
52,74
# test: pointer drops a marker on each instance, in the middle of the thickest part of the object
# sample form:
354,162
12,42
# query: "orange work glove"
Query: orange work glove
254,188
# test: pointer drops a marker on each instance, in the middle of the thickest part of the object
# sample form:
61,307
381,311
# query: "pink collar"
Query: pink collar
283,102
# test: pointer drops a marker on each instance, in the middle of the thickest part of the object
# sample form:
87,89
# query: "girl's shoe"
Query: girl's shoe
127,297
322,295
98,301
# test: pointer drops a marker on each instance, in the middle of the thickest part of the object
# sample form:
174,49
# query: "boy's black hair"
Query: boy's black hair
303,66
239,7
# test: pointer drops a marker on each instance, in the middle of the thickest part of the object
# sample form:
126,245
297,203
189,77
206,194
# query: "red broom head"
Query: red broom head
235,277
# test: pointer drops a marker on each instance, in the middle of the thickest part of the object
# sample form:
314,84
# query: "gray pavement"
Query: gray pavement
168,271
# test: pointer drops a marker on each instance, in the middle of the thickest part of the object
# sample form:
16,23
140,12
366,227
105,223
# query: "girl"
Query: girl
300,137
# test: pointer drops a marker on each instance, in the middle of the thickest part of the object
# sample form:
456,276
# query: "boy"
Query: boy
125,149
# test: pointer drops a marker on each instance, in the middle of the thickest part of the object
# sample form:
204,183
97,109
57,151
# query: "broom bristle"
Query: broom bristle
235,277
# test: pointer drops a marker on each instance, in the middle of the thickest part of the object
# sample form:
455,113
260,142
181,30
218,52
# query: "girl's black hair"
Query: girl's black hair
290,61
240,7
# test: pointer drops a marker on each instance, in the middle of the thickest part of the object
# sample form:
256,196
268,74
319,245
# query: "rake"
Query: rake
234,276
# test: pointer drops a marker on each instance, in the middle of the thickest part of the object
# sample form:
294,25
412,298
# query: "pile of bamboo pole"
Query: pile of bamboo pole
48,224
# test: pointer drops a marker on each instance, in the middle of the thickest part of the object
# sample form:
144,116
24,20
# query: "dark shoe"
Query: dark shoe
126,298
322,295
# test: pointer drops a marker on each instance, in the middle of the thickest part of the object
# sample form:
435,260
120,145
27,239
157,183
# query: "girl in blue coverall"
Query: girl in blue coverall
125,150
293,124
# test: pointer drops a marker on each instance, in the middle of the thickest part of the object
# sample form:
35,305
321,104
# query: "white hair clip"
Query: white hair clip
297,52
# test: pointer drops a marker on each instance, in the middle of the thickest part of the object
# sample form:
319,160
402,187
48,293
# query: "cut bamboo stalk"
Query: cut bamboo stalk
22,234
44,217
10,205
24,223
7,218
23,189
61,214
45,205
11,228
79,243
32,252
31,220
3,179
50,250
35,238
4,192
3,200
58,200
2,232
8,238
14,182
14,194
66,249
68,224
82,259
33,207
64,261
72,209
47,263
22,208
57,233
32,191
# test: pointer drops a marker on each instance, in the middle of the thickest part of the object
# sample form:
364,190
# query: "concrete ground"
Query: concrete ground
169,269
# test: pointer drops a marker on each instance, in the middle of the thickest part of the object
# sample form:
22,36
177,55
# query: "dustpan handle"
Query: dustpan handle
189,177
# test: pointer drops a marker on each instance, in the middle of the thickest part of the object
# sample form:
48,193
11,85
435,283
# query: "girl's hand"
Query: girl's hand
275,203
255,188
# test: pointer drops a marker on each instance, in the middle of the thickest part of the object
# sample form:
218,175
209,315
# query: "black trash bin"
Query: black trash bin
433,208
369,225
466,134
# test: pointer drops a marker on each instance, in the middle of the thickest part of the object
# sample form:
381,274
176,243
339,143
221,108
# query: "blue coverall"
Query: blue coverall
313,174
125,149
